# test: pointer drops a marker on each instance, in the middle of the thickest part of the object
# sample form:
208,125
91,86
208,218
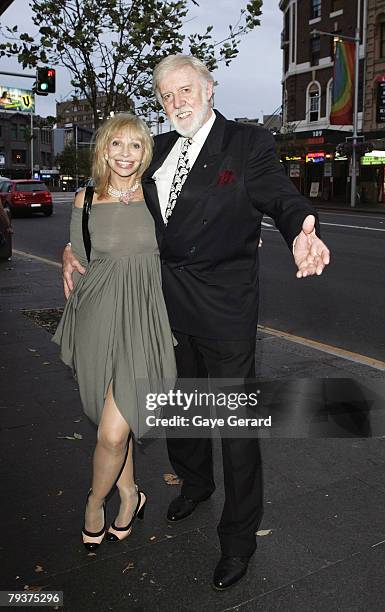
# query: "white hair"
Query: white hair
172,62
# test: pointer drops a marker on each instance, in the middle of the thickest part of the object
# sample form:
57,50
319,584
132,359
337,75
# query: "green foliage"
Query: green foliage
72,162
110,47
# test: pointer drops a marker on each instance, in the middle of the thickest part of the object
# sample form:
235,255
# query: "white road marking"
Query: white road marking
372,229
267,226
43,259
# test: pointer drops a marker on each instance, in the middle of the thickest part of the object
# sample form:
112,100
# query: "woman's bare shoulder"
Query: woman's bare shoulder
79,199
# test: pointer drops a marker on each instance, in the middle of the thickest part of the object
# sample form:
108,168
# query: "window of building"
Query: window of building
329,98
333,42
313,102
286,41
23,132
293,29
284,109
337,5
315,9
19,157
14,131
315,48
382,39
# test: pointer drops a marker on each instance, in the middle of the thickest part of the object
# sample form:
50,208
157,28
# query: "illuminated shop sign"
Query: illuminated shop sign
317,156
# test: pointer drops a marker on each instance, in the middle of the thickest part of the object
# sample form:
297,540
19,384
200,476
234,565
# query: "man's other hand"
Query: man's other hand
70,264
311,255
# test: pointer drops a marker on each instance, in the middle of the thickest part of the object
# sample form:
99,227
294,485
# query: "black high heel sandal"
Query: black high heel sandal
92,546
138,513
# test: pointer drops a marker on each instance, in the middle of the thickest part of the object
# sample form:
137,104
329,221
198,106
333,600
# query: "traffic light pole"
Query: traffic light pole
353,190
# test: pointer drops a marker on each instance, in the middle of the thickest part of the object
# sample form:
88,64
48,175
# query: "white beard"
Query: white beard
196,123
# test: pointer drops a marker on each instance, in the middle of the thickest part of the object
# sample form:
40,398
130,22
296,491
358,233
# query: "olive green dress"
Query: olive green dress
115,326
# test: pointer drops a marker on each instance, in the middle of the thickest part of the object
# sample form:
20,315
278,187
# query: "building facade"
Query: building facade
373,165
15,145
78,111
308,141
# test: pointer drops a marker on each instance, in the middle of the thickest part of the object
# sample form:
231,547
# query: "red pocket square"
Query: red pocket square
226,177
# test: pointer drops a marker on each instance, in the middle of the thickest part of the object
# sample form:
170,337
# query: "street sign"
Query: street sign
295,170
328,169
314,190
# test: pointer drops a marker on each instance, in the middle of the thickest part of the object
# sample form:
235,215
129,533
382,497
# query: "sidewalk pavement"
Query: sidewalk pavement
321,545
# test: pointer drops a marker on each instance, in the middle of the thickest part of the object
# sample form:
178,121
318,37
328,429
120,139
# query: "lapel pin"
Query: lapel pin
205,165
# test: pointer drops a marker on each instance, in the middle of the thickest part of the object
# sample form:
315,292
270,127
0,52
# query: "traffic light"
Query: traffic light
45,81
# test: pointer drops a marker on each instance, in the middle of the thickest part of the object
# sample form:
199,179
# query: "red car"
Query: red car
26,195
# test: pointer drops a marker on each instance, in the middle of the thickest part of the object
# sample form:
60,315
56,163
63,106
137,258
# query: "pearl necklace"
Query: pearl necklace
124,196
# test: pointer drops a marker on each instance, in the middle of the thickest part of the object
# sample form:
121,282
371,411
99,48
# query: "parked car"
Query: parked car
26,195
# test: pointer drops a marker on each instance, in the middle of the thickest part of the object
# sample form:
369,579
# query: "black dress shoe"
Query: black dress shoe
228,571
180,508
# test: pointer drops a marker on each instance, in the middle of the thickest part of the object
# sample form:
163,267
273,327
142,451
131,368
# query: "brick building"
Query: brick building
308,141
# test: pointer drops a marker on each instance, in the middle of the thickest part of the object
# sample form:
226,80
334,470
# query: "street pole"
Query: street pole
76,155
32,142
353,191
356,39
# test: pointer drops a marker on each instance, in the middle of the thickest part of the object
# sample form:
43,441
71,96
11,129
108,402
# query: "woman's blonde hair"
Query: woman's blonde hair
105,133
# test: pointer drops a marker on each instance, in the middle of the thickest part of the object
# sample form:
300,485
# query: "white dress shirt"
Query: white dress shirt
164,175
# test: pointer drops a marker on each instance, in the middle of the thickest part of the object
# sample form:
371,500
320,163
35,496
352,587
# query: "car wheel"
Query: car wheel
48,211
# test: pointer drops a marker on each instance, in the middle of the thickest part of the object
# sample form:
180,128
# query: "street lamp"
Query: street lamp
356,39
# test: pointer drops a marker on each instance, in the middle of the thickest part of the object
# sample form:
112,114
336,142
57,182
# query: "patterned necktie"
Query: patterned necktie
181,173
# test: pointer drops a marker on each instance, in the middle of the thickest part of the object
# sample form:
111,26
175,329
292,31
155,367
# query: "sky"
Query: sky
249,87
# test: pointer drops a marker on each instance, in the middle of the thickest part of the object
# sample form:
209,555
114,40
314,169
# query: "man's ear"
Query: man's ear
210,90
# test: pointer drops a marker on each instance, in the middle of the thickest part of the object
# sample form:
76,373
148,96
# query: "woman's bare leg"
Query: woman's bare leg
127,491
109,455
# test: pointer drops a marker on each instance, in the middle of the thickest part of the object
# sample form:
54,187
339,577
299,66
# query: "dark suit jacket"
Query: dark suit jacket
209,249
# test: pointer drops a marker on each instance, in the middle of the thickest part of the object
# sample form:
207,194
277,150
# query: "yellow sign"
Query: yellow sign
16,100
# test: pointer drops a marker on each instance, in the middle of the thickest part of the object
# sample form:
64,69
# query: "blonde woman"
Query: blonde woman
114,332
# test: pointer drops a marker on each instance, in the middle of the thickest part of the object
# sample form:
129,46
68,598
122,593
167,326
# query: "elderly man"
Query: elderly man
208,186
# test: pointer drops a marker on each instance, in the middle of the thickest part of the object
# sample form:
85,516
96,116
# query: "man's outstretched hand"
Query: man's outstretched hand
70,264
311,255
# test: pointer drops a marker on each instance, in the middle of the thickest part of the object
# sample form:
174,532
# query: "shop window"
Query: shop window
19,157
315,48
382,39
337,5
315,9
313,102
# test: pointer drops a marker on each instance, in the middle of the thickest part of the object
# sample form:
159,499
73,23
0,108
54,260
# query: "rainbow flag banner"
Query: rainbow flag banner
343,84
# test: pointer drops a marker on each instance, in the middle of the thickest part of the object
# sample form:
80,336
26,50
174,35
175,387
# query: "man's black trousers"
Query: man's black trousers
198,358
